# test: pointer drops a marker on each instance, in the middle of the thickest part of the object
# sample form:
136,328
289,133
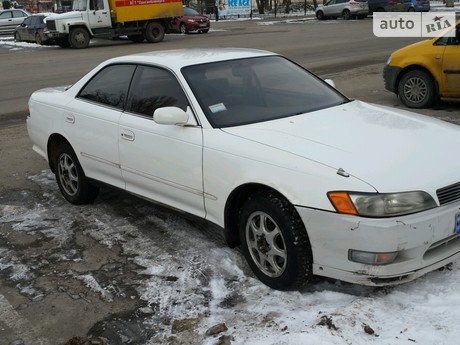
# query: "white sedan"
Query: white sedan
307,181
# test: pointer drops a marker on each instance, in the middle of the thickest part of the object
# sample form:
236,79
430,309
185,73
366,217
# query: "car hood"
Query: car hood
390,149
66,15
195,17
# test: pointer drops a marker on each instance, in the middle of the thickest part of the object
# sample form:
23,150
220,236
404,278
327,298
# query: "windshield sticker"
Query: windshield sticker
217,108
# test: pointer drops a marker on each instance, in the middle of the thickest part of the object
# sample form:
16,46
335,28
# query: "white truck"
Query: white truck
138,19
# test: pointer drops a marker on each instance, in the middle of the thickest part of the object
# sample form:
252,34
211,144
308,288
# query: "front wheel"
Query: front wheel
320,15
416,89
38,39
79,38
154,32
183,28
17,37
71,179
275,242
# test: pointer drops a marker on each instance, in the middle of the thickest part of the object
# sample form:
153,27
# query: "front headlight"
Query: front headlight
381,205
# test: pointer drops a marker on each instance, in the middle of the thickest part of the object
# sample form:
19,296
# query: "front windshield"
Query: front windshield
79,5
244,91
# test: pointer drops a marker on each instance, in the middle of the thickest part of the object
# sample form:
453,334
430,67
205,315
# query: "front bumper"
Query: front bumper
390,76
424,242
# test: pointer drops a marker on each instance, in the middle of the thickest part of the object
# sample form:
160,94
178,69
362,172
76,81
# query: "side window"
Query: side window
96,5
154,88
109,86
18,14
5,15
28,21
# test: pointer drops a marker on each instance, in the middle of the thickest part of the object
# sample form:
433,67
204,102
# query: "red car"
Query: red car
190,21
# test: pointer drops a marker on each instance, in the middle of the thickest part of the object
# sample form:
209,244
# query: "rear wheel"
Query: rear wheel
154,32
79,38
275,242
70,177
346,14
417,89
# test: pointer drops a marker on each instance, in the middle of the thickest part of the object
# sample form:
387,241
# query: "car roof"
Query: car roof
179,58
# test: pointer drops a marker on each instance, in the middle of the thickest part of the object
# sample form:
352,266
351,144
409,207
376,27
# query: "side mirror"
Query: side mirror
170,116
330,82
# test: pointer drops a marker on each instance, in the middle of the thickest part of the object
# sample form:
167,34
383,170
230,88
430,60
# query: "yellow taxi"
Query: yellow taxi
423,72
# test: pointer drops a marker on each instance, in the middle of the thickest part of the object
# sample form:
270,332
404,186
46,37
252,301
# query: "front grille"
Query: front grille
449,194
51,25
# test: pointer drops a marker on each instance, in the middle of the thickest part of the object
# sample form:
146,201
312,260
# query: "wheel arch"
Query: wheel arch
53,143
415,68
233,205
81,26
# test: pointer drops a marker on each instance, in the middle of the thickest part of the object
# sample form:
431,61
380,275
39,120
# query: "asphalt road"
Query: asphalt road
323,47
60,305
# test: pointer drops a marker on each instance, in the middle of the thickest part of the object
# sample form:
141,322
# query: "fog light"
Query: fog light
372,258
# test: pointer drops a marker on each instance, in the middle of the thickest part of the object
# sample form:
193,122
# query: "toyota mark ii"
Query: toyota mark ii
305,180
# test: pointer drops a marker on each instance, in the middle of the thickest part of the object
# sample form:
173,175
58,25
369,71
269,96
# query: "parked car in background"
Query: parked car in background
33,29
305,180
385,6
417,5
190,21
425,71
9,19
342,8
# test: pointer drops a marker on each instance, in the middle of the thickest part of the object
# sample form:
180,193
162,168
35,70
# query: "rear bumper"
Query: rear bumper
390,77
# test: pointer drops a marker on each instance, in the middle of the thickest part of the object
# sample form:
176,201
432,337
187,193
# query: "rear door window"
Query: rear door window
110,86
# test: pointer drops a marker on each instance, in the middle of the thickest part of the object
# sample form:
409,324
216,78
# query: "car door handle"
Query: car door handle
437,57
127,135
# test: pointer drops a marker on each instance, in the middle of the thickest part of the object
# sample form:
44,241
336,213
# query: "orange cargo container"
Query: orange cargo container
136,10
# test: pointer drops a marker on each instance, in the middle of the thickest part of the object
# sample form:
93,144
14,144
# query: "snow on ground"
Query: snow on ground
187,273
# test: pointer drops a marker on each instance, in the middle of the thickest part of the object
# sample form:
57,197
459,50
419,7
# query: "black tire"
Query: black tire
346,15
136,38
411,9
280,253
320,15
71,179
183,28
417,89
79,38
154,32
38,39
17,37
